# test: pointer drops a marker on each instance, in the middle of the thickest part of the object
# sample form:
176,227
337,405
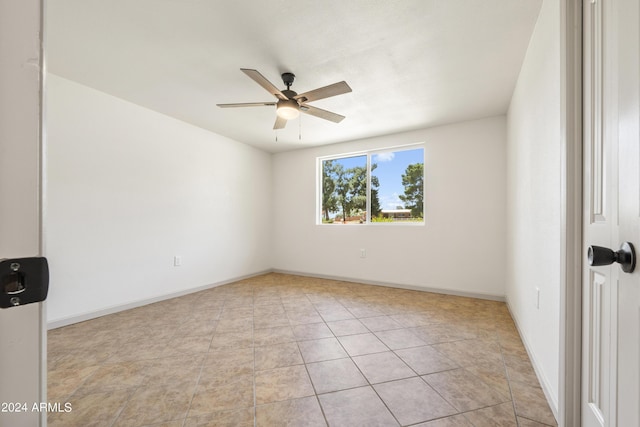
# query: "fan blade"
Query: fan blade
262,81
323,114
324,92
280,123
247,104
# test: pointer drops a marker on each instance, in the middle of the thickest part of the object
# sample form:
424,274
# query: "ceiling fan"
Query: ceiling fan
289,103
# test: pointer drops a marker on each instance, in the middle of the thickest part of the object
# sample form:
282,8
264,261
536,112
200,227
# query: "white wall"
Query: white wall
128,188
461,247
533,198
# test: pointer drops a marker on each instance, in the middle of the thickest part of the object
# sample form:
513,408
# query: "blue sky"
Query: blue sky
391,166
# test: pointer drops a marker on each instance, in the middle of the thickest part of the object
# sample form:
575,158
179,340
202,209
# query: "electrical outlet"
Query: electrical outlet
363,253
538,298
177,261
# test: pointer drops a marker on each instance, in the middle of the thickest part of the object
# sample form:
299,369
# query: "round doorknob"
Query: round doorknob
625,256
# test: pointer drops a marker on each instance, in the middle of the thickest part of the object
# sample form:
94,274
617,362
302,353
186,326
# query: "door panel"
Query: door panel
611,298
22,329
598,339
628,390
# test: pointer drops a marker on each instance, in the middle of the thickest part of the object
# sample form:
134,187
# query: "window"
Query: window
385,186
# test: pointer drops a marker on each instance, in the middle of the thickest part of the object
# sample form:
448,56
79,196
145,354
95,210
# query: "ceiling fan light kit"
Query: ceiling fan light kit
289,103
288,109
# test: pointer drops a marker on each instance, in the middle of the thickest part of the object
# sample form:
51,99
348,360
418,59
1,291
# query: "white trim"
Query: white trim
489,297
403,147
42,312
139,303
570,358
542,379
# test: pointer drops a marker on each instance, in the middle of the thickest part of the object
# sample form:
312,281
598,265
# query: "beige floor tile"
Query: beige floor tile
202,348
347,327
513,346
233,418
223,340
520,369
82,358
62,383
212,376
531,403
454,421
312,331
360,344
303,319
471,352
176,423
363,312
270,321
92,410
380,367
211,396
277,356
188,344
334,375
261,309
524,422
304,412
412,401
356,407
226,356
114,377
426,360
174,369
396,339
271,336
442,332
280,384
143,350
155,404
238,306
380,323
321,349
494,375
197,326
412,320
234,324
493,416
464,390
332,314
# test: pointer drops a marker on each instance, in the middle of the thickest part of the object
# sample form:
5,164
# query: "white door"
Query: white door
611,298
22,330
628,389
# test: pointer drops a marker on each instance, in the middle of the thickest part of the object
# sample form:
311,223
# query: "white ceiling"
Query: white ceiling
411,63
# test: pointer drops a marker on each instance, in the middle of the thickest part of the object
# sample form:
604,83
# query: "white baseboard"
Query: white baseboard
115,309
478,295
542,378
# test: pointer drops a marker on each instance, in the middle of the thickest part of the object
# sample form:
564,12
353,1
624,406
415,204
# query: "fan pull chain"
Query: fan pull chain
300,128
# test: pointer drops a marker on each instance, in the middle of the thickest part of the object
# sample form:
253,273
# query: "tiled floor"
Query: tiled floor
281,350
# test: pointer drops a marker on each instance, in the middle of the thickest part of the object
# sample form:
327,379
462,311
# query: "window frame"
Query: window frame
369,154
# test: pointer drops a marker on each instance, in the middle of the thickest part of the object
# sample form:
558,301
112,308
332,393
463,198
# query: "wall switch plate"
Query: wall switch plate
177,261
363,253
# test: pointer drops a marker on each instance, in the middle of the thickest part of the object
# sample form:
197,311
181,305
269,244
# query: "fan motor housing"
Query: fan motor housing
289,93
288,79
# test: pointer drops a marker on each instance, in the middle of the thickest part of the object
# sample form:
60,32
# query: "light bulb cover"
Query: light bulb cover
288,109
